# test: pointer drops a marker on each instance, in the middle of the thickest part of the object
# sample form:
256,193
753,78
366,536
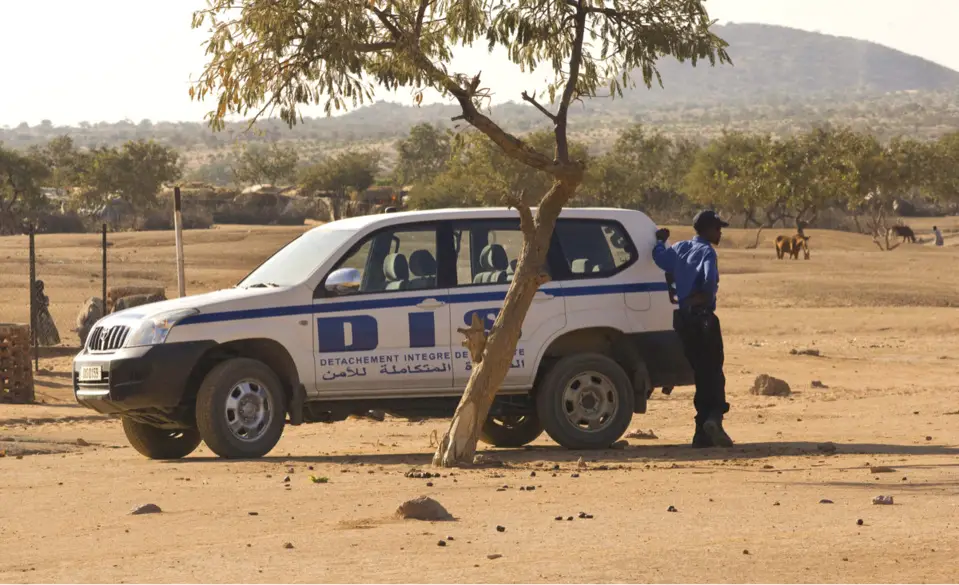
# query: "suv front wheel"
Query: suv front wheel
585,401
241,409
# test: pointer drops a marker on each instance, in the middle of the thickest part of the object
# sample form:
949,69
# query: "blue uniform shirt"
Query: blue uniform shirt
693,264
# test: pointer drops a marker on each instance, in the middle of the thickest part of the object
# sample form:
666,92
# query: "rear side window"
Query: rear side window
594,248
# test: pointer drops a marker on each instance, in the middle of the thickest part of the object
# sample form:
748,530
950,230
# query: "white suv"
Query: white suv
362,314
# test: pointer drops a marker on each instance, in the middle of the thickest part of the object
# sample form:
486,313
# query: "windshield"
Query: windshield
296,261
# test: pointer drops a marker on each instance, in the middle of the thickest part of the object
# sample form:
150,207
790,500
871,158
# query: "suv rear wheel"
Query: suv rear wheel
241,409
512,430
585,401
157,443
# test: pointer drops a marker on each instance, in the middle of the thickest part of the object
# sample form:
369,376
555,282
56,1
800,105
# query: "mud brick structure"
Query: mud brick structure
16,377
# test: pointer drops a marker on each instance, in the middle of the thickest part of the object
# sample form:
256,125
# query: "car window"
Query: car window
299,259
396,259
594,248
486,252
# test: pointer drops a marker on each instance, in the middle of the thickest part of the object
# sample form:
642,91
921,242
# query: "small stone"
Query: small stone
582,515
776,504
859,522
641,434
494,556
287,545
530,488
818,384
767,466
825,501
500,529
672,509
558,518
146,509
881,469
479,459
766,385
429,484
286,479
556,467
883,500
589,516
915,412
450,538
423,508
574,475
532,474
569,519
82,443
620,445
745,551
253,513
310,468
928,438
441,543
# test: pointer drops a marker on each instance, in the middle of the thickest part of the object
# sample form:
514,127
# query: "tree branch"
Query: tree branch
538,106
420,15
526,222
575,60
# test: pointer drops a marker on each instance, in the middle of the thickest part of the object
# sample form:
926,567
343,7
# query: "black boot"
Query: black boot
700,439
713,428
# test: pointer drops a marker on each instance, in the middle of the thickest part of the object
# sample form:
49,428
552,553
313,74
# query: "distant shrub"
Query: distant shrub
61,223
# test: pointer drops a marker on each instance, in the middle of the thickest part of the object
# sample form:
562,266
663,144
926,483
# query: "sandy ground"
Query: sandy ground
885,324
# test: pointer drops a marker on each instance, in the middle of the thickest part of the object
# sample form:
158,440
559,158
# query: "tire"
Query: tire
587,387
157,443
511,431
230,388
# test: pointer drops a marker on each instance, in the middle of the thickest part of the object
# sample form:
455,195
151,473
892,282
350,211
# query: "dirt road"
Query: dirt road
886,332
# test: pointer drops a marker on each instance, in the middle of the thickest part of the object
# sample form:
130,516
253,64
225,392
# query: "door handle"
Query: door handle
430,304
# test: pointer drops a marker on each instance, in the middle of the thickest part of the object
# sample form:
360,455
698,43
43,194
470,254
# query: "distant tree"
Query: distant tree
422,155
64,160
21,177
273,163
642,170
287,59
944,172
134,174
341,177
216,172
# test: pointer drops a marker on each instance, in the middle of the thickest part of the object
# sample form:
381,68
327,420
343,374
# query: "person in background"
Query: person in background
693,264
936,231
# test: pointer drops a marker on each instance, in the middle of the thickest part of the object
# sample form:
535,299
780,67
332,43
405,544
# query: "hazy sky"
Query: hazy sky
94,60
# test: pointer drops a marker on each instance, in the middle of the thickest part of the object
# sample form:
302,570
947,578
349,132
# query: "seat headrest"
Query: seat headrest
581,266
395,267
422,263
493,257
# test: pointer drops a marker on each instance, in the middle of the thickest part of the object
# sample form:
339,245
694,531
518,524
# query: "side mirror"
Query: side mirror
343,281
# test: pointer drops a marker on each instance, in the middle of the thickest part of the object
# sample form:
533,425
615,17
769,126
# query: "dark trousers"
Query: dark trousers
703,344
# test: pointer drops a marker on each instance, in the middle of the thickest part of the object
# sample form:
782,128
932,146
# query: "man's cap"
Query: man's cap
706,218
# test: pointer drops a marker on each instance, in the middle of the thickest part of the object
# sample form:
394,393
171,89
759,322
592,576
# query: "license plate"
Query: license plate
90,373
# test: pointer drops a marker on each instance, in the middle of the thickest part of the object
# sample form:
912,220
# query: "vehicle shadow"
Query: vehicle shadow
632,454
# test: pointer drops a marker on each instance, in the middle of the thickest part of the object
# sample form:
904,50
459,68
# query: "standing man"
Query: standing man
693,264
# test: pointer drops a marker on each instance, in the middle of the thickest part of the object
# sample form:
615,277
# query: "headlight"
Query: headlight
154,330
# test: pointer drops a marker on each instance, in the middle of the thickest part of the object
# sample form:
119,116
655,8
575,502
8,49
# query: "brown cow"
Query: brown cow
800,242
784,246
904,232
791,245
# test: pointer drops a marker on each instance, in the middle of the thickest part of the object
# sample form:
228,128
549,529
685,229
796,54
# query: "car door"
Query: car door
381,323
486,252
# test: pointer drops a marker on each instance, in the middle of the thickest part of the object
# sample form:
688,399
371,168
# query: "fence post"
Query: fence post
178,227
34,338
103,243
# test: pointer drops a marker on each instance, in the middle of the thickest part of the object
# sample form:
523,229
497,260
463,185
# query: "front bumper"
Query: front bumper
152,378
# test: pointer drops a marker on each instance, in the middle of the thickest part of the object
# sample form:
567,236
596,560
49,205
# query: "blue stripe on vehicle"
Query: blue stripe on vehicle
457,298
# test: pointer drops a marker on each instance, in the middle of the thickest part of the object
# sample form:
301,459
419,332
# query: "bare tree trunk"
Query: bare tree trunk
758,234
492,358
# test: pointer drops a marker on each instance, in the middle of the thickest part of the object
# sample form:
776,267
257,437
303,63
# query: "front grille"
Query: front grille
108,339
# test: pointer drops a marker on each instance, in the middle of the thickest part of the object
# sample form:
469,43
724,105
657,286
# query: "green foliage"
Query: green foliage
480,173
134,174
340,177
422,155
21,177
642,170
271,164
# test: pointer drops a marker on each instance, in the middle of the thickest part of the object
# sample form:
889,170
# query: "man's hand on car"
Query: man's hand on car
662,234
